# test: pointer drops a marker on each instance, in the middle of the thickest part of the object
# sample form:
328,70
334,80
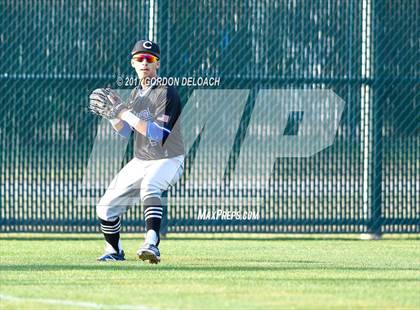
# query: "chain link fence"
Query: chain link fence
364,51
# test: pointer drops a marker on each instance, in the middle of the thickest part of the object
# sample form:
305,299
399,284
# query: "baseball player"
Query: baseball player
152,114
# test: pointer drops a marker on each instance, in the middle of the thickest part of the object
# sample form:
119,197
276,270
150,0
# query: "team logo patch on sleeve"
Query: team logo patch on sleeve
163,118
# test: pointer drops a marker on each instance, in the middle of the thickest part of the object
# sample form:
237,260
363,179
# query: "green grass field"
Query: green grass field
42,271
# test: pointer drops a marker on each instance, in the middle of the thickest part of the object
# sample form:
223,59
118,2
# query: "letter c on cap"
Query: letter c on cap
147,44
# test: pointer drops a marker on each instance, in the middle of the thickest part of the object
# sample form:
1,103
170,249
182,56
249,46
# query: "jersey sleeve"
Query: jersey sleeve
168,109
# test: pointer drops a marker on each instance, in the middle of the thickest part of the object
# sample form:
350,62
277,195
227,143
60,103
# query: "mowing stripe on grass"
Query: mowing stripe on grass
73,303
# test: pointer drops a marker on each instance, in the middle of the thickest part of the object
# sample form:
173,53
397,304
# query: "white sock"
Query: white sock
110,250
151,237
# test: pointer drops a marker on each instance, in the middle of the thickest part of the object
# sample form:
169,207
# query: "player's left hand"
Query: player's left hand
107,103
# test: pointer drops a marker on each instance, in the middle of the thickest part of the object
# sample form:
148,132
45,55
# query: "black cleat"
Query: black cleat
149,252
112,257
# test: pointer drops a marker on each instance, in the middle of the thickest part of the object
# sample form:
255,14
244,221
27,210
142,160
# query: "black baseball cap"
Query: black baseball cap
146,46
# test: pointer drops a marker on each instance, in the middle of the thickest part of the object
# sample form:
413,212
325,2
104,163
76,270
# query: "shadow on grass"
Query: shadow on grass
198,237
141,236
256,238
142,266
64,238
288,237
